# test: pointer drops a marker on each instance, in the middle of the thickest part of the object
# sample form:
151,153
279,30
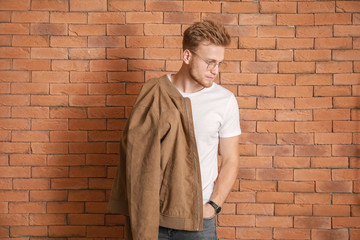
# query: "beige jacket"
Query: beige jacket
158,180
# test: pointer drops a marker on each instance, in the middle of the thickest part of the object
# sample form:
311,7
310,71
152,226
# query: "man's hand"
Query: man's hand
208,211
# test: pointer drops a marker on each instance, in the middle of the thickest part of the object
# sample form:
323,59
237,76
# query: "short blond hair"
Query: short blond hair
207,30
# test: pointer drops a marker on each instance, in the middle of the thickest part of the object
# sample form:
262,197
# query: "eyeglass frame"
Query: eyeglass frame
209,63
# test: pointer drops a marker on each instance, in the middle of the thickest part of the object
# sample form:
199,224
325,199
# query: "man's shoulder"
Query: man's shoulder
221,91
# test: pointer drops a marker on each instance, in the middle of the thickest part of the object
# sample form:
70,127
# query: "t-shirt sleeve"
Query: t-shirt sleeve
230,125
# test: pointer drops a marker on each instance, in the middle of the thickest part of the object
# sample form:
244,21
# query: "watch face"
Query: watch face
218,210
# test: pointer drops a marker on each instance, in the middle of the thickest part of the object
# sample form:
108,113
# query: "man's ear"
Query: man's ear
187,56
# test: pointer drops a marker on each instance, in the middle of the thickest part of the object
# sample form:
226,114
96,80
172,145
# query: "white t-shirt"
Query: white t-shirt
215,114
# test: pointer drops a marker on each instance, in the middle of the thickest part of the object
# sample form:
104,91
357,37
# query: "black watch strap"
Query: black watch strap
215,206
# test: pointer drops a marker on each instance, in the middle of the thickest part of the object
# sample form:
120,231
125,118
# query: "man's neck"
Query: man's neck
184,82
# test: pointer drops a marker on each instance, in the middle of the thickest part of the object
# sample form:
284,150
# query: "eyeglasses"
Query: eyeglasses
211,65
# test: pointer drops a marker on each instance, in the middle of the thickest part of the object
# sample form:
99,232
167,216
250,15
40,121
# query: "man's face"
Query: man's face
203,66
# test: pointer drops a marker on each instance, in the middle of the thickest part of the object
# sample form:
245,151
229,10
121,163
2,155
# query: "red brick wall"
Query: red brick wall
69,74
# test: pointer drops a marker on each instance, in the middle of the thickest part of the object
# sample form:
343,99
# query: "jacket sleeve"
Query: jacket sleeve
143,173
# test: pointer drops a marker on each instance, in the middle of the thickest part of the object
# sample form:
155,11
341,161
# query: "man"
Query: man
165,182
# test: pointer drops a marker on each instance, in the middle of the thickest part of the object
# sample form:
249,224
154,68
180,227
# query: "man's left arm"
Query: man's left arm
227,175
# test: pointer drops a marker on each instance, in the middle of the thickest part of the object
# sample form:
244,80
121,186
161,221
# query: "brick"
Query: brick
66,160
68,231
312,55
124,30
285,186
70,65
48,29
74,183
275,103
297,138
354,234
63,136
257,19
293,115
65,17
91,5
257,138
242,31
313,103
49,53
14,28
86,195
250,233
240,54
291,233
27,159
68,88
314,79
341,55
257,185
274,174
238,197
312,198
294,91
15,5
250,114
257,43
28,207
5,16
294,43
334,187
336,234
332,18
14,219
105,231
165,6
68,41
345,174
347,6
29,136
331,210
146,65
274,221
274,55
236,220
346,102
181,17
88,77
67,112
297,67
333,43
29,184
294,19
275,127
314,31
354,163
14,124
45,100
331,114
87,124
243,7
10,147
106,18
346,126
312,150
86,30
345,150
333,138
37,196
49,148
65,207
15,52
291,162
346,30
195,6
276,31
348,222
259,91
161,53
34,65
316,7
14,196
283,150
30,17
312,222
259,67
106,41
50,5
226,19
293,210
144,17
144,41
123,5
329,162
108,112
277,7
47,219
276,79
274,197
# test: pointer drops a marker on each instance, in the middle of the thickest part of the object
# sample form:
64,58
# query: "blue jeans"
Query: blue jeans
208,232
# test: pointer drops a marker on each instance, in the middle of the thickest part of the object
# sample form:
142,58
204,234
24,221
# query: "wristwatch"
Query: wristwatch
217,208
